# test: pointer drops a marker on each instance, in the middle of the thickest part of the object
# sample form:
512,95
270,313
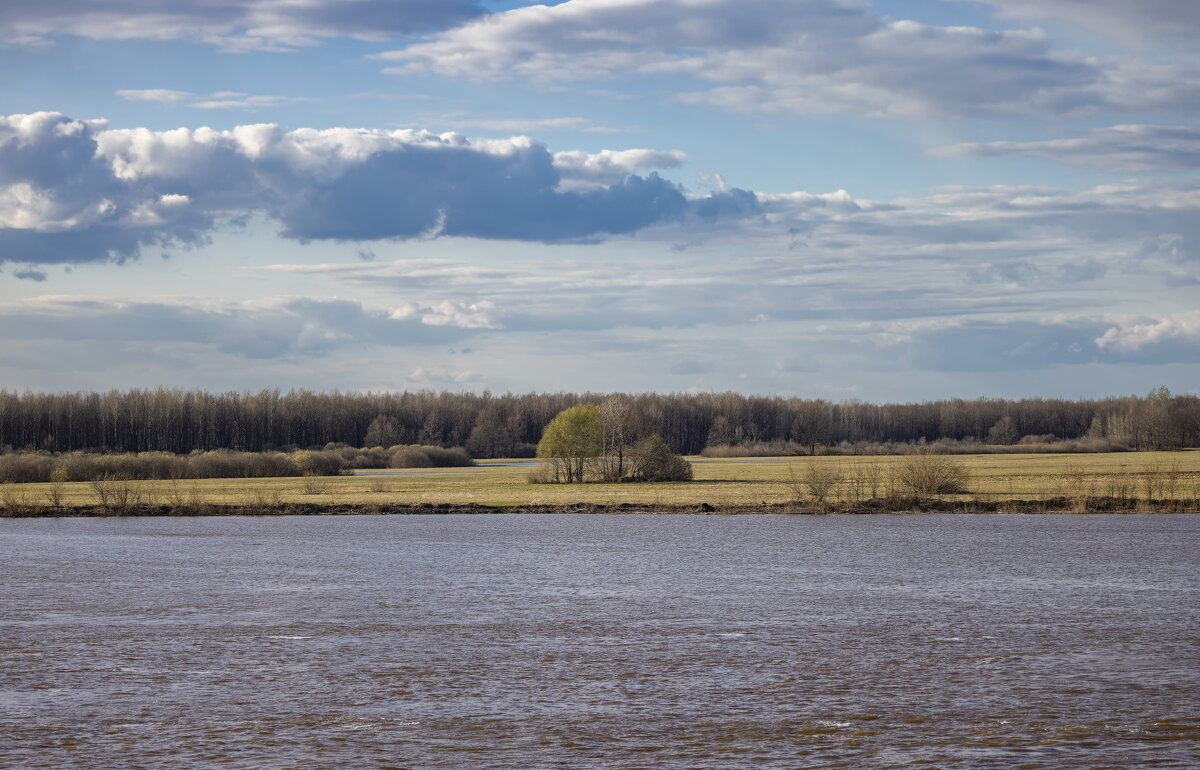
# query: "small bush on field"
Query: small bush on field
925,475
14,501
821,480
118,494
314,485
653,459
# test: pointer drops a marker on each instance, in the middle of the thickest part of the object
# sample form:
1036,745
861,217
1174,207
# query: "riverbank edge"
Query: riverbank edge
318,508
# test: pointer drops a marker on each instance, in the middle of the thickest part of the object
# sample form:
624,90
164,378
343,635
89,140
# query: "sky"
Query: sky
840,199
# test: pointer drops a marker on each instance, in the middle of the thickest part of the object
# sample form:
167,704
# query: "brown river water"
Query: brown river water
633,641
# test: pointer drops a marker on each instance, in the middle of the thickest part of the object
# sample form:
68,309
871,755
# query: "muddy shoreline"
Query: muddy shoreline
1052,505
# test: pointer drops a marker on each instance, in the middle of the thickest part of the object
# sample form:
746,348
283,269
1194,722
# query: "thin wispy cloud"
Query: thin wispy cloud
164,95
1153,22
218,100
234,25
524,125
233,100
1120,149
257,330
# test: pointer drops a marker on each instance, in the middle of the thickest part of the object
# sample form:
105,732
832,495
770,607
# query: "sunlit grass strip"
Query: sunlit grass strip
718,482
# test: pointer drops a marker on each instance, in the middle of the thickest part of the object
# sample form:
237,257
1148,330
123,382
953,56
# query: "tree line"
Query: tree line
490,425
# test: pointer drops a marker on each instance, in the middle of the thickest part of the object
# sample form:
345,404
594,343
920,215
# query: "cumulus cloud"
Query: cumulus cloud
1153,21
1178,329
581,170
1131,148
233,25
74,191
814,56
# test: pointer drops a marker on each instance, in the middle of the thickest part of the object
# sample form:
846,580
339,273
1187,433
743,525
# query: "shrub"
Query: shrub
324,463
652,459
924,475
820,479
409,457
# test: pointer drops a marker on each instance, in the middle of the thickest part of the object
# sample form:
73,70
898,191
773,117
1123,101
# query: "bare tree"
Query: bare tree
619,430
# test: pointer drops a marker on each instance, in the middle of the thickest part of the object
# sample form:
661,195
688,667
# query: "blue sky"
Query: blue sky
823,198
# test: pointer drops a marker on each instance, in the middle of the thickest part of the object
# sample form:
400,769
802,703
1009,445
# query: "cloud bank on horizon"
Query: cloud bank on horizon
366,195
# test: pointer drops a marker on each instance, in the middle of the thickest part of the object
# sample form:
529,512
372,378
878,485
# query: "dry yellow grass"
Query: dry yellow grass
749,481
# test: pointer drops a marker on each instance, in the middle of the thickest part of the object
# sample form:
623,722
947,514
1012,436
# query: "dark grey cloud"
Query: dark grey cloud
1120,149
231,24
29,274
809,56
72,191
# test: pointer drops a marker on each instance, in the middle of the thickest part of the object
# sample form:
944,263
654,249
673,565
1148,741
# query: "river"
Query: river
601,641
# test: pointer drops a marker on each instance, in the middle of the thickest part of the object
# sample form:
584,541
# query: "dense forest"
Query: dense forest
509,425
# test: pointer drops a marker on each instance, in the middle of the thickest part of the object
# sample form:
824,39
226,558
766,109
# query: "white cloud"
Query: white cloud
1128,148
1174,328
581,170
228,100
476,315
106,192
812,56
153,95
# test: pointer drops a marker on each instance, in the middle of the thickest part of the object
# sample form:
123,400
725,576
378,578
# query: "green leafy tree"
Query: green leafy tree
572,443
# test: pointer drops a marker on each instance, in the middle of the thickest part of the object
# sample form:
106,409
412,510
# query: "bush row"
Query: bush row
34,467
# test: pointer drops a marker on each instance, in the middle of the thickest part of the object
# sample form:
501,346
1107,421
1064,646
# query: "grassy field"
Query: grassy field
718,482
